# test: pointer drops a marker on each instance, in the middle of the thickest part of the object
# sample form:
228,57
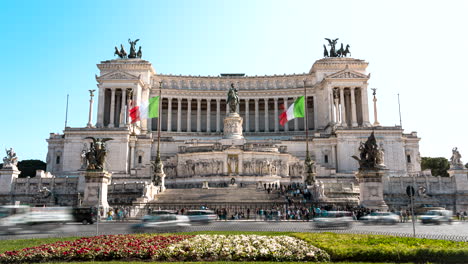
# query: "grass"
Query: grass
352,247
341,247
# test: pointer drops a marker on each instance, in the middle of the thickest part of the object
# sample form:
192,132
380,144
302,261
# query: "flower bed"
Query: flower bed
171,248
242,248
106,247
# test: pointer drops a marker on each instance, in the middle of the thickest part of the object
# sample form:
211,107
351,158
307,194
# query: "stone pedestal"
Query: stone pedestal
232,134
160,181
7,177
371,189
461,184
205,185
95,193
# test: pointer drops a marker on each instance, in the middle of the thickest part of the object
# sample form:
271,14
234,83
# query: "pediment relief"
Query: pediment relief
118,75
347,74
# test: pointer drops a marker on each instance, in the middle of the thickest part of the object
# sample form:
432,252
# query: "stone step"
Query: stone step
233,195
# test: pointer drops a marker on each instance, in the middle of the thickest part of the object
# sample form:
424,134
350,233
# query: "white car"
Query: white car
201,216
381,218
334,219
168,222
436,217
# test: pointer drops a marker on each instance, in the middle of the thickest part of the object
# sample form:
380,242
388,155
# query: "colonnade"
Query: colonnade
113,107
349,106
206,115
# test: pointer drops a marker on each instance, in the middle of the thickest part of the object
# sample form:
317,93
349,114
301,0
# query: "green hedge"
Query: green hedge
351,247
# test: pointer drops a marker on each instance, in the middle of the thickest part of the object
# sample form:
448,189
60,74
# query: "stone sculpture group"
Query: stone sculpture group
96,155
371,155
342,52
133,53
11,160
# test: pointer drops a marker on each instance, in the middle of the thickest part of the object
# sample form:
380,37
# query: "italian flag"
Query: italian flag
146,110
297,109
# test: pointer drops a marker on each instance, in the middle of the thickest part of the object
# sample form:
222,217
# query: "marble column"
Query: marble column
256,115
353,108
218,115
296,121
343,107
208,115
127,113
198,115
189,115
90,116
227,108
337,109
365,106
123,111
315,126
247,116
179,114
276,114
112,109
267,124
100,115
285,100
169,114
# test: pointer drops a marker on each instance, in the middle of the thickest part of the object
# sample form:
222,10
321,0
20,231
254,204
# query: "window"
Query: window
57,160
325,158
139,159
408,158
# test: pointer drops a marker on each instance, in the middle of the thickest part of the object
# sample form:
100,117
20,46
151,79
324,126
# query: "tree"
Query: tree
29,167
438,166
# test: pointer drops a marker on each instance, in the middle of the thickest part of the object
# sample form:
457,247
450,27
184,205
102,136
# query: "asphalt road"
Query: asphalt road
456,231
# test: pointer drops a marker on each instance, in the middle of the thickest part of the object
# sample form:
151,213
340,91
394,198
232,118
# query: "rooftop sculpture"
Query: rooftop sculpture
133,53
342,52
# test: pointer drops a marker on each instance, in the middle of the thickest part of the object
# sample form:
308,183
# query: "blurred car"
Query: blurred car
381,218
201,216
162,212
85,215
12,217
436,217
334,219
43,215
158,223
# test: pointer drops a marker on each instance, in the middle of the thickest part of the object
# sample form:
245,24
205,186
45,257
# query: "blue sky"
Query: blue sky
415,48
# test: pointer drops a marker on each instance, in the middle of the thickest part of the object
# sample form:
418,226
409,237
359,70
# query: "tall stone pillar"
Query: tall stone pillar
90,117
376,120
189,115
247,116
276,114
343,107
112,109
365,106
267,124
315,112
100,114
353,108
129,102
198,115
296,122
208,115
218,115
285,100
257,129
179,114
337,108
169,114
123,111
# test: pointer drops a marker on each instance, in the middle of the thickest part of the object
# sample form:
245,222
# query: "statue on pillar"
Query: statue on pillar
11,160
96,156
233,99
371,156
455,160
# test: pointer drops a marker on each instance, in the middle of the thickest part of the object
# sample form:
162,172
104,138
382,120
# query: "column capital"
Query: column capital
275,99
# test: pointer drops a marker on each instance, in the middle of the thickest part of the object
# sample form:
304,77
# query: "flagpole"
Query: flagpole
309,164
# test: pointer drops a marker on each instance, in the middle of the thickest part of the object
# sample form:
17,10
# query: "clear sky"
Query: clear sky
418,49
